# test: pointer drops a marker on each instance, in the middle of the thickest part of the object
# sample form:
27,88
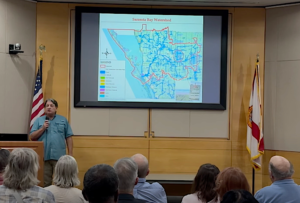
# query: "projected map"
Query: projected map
150,58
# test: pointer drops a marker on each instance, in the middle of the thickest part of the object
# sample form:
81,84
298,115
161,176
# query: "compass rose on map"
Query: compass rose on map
106,53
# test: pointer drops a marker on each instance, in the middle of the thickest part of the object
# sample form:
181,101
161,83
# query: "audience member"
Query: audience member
204,185
127,171
65,179
20,179
283,188
238,196
4,154
143,190
100,184
231,178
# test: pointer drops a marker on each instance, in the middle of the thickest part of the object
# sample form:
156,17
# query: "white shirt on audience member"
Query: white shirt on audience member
66,195
193,198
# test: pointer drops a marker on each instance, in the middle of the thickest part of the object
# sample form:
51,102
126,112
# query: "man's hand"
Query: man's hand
46,124
37,134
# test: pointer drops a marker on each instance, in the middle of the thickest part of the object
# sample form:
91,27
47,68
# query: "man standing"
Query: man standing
154,192
283,188
55,131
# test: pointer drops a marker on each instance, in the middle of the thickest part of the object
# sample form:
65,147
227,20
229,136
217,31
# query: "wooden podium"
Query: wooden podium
37,146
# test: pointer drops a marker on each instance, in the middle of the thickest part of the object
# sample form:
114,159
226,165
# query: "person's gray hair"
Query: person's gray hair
281,175
143,167
66,172
22,169
126,170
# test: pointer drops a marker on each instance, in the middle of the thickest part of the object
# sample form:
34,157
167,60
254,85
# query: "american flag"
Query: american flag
38,100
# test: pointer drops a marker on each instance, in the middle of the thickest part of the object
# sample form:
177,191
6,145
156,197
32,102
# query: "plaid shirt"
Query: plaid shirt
34,194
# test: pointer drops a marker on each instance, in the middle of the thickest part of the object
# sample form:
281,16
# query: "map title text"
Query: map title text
151,19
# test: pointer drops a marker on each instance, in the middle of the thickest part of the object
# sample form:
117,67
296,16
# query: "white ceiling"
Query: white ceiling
251,3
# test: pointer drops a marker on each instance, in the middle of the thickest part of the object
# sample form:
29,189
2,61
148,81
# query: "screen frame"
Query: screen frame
166,105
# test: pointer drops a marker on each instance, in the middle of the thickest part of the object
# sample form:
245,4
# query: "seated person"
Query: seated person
231,178
238,196
100,184
143,190
127,171
283,188
65,179
4,154
20,179
204,185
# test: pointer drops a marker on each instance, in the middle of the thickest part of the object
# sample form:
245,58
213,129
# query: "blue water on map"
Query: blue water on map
139,90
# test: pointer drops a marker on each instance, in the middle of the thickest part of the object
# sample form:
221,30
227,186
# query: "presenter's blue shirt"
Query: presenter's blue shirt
281,191
54,137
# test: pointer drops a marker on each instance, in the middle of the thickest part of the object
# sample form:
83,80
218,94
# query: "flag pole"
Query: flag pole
253,170
42,49
253,180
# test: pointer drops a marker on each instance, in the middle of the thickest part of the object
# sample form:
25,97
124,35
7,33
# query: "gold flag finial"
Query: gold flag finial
42,49
257,57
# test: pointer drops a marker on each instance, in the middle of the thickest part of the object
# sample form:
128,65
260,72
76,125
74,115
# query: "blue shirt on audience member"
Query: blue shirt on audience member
149,192
281,191
54,137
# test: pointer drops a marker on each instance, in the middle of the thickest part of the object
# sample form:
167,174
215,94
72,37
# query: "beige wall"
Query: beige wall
282,95
17,72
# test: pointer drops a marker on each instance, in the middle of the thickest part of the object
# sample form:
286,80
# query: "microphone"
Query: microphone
47,119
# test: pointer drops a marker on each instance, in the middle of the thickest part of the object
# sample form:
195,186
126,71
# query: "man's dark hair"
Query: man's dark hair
4,154
238,196
51,100
100,184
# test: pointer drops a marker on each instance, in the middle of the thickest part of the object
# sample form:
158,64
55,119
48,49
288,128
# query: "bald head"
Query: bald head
143,166
280,168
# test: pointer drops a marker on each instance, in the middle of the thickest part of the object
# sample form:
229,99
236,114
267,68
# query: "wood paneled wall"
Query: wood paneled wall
248,41
166,155
53,32
90,151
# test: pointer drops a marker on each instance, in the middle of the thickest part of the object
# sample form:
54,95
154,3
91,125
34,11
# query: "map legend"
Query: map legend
102,81
112,80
